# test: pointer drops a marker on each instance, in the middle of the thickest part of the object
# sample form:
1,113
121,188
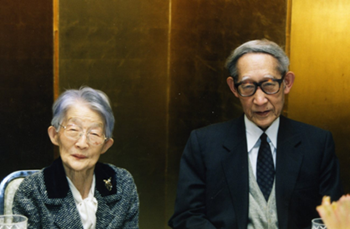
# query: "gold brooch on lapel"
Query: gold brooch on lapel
108,184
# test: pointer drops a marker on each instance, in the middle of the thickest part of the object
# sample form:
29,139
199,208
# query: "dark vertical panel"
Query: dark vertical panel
25,84
203,33
120,47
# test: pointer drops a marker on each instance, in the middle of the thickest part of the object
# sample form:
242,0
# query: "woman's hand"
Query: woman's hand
335,215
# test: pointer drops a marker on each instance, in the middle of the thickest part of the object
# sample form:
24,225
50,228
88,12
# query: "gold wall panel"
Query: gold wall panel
162,65
120,47
319,49
203,33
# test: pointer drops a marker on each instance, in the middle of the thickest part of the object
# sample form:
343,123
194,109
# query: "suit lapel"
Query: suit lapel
106,215
107,212
59,199
235,166
61,203
67,216
288,162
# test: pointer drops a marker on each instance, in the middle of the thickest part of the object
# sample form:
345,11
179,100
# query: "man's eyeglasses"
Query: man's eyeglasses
248,88
93,136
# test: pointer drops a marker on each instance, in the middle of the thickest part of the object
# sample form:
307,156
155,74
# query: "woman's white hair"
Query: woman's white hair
95,99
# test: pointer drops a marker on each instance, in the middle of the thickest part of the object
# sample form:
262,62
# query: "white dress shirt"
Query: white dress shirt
253,133
86,207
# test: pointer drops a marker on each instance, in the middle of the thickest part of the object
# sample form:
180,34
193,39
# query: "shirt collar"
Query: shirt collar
76,194
253,132
86,207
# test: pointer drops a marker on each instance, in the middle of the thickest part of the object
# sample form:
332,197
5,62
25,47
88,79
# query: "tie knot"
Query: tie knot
263,137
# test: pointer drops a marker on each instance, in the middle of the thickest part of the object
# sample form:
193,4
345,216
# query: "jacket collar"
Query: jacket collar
289,158
236,135
57,185
235,166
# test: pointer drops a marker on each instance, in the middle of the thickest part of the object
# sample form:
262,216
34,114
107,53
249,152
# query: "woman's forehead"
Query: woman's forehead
83,114
79,121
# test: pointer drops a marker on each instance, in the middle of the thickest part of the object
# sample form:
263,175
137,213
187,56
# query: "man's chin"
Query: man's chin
264,123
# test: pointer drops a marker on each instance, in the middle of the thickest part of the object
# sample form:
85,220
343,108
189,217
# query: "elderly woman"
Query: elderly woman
77,191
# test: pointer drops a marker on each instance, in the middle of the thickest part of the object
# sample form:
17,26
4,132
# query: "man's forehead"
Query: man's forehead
252,63
264,77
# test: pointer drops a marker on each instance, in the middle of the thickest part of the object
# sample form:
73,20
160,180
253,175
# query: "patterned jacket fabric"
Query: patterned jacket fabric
45,198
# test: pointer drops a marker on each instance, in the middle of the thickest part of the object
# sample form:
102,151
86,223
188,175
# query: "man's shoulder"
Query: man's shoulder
301,125
303,129
220,126
220,130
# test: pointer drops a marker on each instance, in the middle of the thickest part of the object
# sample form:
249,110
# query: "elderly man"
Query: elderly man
262,170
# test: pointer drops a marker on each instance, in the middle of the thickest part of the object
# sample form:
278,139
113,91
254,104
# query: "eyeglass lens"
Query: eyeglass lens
94,136
248,88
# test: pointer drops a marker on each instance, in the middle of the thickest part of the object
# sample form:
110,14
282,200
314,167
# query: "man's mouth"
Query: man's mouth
262,113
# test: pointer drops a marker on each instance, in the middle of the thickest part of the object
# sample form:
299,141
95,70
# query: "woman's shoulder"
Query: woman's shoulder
114,182
121,175
34,178
32,183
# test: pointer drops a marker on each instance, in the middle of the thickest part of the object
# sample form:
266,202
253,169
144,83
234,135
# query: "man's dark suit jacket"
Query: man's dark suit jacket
213,188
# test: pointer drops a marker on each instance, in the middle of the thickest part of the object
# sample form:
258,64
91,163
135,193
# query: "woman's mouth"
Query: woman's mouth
79,156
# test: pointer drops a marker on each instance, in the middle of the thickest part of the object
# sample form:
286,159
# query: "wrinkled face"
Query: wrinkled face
260,108
79,154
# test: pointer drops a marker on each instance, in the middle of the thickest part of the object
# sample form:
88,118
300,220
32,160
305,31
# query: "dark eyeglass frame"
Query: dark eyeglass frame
279,81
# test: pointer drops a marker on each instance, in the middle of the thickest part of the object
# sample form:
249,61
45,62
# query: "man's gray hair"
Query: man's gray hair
257,46
95,99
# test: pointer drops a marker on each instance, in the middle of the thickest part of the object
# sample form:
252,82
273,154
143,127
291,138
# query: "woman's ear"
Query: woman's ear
231,84
288,81
53,134
109,142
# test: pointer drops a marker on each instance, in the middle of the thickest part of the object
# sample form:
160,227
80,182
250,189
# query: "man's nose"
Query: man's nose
260,97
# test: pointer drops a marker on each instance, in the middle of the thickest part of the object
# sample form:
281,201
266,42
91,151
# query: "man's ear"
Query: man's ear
288,81
109,142
53,134
231,84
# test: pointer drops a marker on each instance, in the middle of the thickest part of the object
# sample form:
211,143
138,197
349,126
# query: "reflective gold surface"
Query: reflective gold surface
320,58
161,63
121,47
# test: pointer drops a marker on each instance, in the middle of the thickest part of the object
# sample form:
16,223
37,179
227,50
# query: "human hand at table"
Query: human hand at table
335,215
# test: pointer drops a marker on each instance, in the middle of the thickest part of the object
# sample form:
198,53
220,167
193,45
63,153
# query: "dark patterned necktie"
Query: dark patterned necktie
265,168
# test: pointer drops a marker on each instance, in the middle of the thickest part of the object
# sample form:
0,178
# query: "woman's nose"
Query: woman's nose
82,141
